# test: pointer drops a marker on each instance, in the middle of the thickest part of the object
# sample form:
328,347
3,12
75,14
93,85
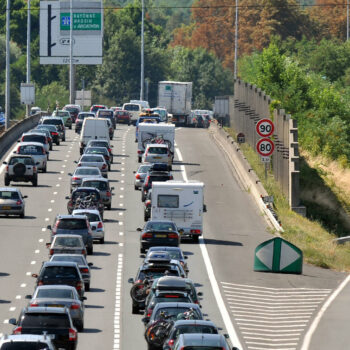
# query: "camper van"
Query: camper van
155,133
180,202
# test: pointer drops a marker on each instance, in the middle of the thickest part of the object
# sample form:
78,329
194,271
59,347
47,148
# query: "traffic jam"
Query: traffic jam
167,300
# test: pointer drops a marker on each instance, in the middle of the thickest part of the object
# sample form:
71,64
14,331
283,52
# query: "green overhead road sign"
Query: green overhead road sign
278,255
81,21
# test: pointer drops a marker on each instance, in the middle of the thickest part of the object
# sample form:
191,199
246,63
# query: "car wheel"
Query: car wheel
7,181
50,147
87,286
142,250
170,167
102,240
135,309
145,216
22,215
35,182
136,188
109,168
90,251
57,143
63,138
80,326
109,206
195,238
139,159
70,128
45,169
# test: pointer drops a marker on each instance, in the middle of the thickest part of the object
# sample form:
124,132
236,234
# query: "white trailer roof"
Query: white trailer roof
178,184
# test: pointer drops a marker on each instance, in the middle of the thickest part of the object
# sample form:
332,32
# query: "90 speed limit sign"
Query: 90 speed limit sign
265,127
265,147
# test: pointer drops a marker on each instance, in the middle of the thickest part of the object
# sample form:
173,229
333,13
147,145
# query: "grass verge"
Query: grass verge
311,235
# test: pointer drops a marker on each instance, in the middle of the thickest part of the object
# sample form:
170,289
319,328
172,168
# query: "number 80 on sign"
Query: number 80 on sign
265,147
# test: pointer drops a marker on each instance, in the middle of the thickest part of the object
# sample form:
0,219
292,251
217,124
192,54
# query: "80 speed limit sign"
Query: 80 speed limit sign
265,127
265,147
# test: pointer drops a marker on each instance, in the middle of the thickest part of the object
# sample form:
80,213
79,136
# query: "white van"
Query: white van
155,133
144,104
134,109
93,129
180,202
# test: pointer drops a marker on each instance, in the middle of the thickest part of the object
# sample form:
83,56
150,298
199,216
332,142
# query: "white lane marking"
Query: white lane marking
122,181
121,204
317,319
64,165
118,285
55,193
123,163
122,188
58,185
120,214
122,174
121,196
18,296
123,157
62,171
121,233
120,223
121,244
33,262
6,321
50,209
123,169
47,219
41,240
65,160
52,201
43,229
37,251
28,273
214,284
12,308
23,285
59,178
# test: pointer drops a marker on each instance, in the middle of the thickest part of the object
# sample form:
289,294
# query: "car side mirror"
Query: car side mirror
134,172
200,294
112,188
186,257
83,298
234,348
145,320
90,264
67,197
139,229
75,162
28,296
13,321
131,280
18,140
25,196
37,163
4,162
204,208
49,227
70,174
35,275
48,245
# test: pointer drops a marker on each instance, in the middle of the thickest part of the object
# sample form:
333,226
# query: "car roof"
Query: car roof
175,305
80,211
9,189
55,286
25,337
163,249
195,322
80,189
24,155
67,216
52,117
202,339
98,147
85,167
98,140
68,235
93,155
102,179
49,310
157,145
168,281
60,263
31,143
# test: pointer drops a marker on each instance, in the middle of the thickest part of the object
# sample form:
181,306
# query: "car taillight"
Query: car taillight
107,157
100,225
44,152
79,164
19,202
40,283
149,312
34,304
72,334
172,235
104,166
34,169
147,235
146,153
79,286
17,330
139,151
148,202
147,181
108,194
22,138
45,140
138,176
75,307
171,342
196,231
51,251
171,177
75,178
110,150
7,168
54,133
84,269
18,149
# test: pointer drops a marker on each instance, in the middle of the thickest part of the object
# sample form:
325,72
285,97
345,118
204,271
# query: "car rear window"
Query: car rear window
26,161
158,150
90,171
9,195
47,127
103,113
24,345
71,242
176,313
31,149
96,151
45,320
168,201
55,293
72,224
92,159
62,114
71,258
144,168
34,138
101,185
161,226
59,272
83,194
92,217
132,107
195,328
98,144
52,121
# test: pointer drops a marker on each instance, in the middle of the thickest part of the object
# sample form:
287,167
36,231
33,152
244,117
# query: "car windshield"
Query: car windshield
195,328
25,161
55,293
30,149
91,159
104,114
158,150
45,320
9,195
82,194
60,272
52,121
24,345
72,224
34,138
87,171
67,242
92,217
101,185
160,226
71,258
175,313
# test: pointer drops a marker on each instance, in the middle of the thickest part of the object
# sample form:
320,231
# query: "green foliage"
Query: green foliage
47,96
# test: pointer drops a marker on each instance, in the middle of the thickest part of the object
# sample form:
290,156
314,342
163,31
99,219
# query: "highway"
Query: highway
266,311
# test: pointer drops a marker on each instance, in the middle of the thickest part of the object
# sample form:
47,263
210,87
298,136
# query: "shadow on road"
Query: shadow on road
92,330
184,163
5,301
94,307
4,274
222,242
97,290
101,254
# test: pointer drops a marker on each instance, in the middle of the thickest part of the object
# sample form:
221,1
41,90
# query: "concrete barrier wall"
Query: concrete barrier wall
15,131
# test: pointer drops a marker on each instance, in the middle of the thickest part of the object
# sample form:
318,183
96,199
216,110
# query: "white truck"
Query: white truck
93,129
155,133
180,202
176,97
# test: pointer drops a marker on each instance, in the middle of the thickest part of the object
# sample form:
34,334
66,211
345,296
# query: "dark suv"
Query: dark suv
61,272
51,320
75,225
154,176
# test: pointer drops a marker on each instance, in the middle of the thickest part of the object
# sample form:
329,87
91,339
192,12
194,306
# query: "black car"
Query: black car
74,110
53,131
107,114
54,321
101,143
80,118
84,193
158,233
61,272
58,122
160,176
148,206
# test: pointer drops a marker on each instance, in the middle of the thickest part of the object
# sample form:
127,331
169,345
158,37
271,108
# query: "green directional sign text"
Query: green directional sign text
81,21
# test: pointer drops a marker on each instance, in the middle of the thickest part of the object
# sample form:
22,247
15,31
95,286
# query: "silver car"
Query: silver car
80,259
140,175
67,244
83,172
37,151
12,202
103,186
31,340
60,296
96,222
157,153
94,160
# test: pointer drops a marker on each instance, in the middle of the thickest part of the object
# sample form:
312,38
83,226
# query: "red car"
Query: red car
122,116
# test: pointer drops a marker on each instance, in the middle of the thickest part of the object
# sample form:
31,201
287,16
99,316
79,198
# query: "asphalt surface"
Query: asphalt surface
268,311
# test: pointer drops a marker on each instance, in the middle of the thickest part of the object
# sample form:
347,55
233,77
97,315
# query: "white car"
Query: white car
157,153
32,341
37,151
96,223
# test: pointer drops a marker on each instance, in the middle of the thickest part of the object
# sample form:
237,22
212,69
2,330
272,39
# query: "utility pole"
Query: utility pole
347,20
142,51
28,51
71,66
236,42
7,87
83,88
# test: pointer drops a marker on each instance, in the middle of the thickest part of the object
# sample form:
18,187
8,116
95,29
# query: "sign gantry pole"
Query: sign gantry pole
7,88
71,69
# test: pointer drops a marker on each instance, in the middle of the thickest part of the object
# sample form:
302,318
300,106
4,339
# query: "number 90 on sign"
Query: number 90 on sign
265,127
265,147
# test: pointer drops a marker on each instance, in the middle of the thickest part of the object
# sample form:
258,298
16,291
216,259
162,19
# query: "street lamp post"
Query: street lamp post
347,20
236,42
7,87
71,67
142,51
28,51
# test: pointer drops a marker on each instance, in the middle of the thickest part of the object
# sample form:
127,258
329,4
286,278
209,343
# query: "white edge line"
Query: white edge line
317,319
214,284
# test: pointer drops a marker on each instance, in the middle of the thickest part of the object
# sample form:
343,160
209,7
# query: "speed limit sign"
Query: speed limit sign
265,127
265,147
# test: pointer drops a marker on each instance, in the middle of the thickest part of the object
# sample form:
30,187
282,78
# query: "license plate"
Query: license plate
6,207
157,157
54,305
160,236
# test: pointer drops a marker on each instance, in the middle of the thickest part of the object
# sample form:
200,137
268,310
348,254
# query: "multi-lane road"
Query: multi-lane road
260,311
